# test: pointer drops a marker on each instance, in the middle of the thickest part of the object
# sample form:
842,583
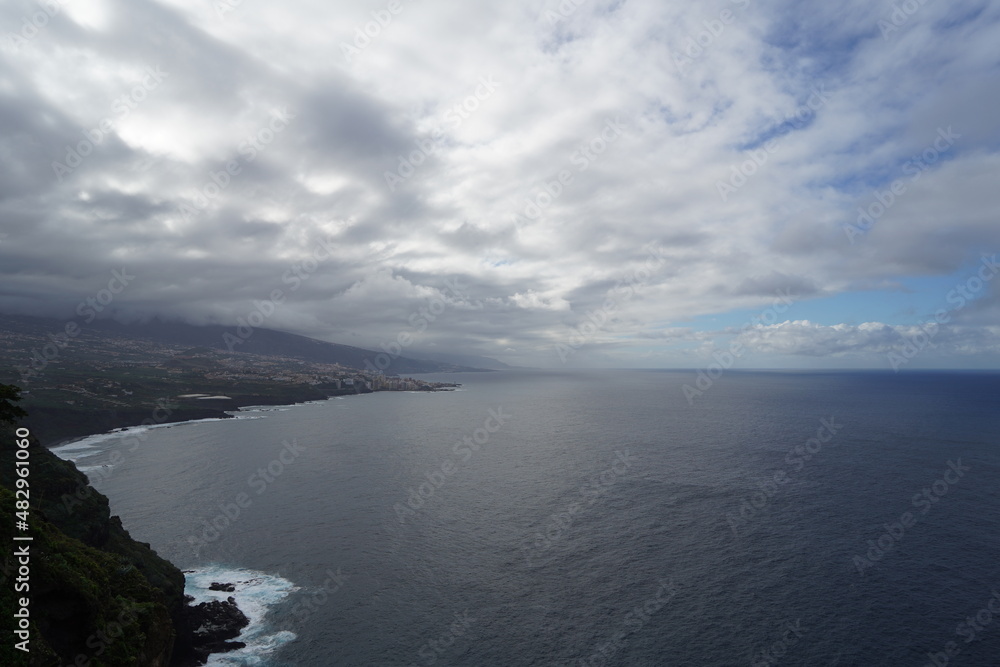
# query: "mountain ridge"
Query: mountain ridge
259,341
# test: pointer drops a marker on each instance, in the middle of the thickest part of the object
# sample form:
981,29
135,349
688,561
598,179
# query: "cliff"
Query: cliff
97,598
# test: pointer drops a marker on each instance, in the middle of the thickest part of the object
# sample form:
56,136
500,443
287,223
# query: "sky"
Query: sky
739,183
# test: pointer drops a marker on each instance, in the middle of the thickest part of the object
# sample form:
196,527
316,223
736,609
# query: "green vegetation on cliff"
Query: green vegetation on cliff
88,607
97,597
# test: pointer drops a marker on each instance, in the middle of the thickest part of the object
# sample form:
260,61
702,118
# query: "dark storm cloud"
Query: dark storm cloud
241,147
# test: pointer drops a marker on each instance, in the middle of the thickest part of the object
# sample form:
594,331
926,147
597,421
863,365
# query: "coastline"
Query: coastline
167,413
206,627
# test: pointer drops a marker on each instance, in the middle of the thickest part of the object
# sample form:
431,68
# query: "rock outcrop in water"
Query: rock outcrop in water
206,628
97,597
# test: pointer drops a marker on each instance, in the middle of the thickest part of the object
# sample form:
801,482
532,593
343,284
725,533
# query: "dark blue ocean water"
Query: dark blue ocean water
782,518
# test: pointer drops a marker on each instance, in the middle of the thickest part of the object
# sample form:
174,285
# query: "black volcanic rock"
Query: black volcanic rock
206,628
225,588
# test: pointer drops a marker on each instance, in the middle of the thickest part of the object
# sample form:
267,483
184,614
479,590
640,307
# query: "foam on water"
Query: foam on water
80,452
85,446
76,455
72,447
547,591
256,593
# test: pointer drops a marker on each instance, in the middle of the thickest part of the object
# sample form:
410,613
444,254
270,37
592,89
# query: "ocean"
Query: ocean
589,518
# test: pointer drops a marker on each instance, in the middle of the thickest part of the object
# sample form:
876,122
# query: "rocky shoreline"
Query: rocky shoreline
96,582
59,426
87,547
207,628
53,427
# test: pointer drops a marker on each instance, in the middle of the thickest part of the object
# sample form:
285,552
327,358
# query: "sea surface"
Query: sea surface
590,518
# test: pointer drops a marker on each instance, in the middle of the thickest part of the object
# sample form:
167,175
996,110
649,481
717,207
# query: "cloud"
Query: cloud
539,152
872,340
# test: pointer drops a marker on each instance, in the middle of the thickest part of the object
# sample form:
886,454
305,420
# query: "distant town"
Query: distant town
97,381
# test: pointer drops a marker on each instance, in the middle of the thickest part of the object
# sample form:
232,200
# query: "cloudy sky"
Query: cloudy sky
630,183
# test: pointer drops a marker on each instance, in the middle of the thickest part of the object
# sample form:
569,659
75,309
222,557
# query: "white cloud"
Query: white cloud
557,87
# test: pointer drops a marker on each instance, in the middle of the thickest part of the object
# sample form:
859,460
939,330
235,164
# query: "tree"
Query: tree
10,413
